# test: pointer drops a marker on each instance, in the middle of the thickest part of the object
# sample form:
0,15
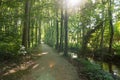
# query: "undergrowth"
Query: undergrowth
94,71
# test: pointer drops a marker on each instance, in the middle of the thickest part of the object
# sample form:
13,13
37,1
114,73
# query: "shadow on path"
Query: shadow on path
46,65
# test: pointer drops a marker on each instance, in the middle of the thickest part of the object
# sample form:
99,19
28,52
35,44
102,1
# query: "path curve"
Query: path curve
51,66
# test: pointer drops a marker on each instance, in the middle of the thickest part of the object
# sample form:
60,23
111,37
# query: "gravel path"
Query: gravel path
51,66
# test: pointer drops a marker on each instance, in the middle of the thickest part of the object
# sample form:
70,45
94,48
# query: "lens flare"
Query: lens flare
73,3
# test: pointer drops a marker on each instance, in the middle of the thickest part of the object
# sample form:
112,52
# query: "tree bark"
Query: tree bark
39,36
102,35
111,27
29,25
111,32
61,31
36,33
26,24
66,32
57,29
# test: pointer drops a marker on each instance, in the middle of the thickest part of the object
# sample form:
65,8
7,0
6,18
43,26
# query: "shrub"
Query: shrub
74,47
94,71
8,50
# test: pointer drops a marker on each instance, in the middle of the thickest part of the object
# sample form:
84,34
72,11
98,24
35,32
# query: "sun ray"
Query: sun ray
74,2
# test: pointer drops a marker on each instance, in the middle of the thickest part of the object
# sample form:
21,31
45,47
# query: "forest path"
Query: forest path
51,66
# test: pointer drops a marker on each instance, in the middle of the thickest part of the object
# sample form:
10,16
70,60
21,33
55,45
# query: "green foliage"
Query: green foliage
9,45
8,50
50,36
9,29
74,47
116,46
94,71
117,29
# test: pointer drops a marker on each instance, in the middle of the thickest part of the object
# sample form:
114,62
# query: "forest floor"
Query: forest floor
46,64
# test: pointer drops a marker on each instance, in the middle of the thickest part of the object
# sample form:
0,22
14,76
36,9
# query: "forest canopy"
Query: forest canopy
88,27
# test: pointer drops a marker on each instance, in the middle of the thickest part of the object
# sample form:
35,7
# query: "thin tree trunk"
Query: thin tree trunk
111,28
61,31
66,32
111,32
29,26
57,29
102,35
36,33
39,36
32,28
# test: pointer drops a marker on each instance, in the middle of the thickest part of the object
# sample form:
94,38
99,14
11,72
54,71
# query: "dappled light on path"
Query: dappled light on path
10,72
35,66
45,65
23,66
51,66
42,53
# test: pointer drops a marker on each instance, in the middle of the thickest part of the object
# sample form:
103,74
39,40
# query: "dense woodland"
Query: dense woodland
90,28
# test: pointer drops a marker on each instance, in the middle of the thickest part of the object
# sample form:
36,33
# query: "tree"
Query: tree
111,32
66,29
26,24
61,30
111,26
57,26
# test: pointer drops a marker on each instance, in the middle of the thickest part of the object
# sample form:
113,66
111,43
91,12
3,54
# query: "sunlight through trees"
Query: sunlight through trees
89,28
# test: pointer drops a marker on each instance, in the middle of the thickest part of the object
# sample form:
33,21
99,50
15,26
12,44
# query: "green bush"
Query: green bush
94,71
116,46
8,50
74,47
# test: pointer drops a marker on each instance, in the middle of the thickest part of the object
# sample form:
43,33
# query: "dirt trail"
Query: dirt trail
51,66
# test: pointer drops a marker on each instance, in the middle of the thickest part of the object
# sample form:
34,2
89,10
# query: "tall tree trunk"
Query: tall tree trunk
102,35
29,25
61,31
26,24
57,29
84,42
66,31
111,31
